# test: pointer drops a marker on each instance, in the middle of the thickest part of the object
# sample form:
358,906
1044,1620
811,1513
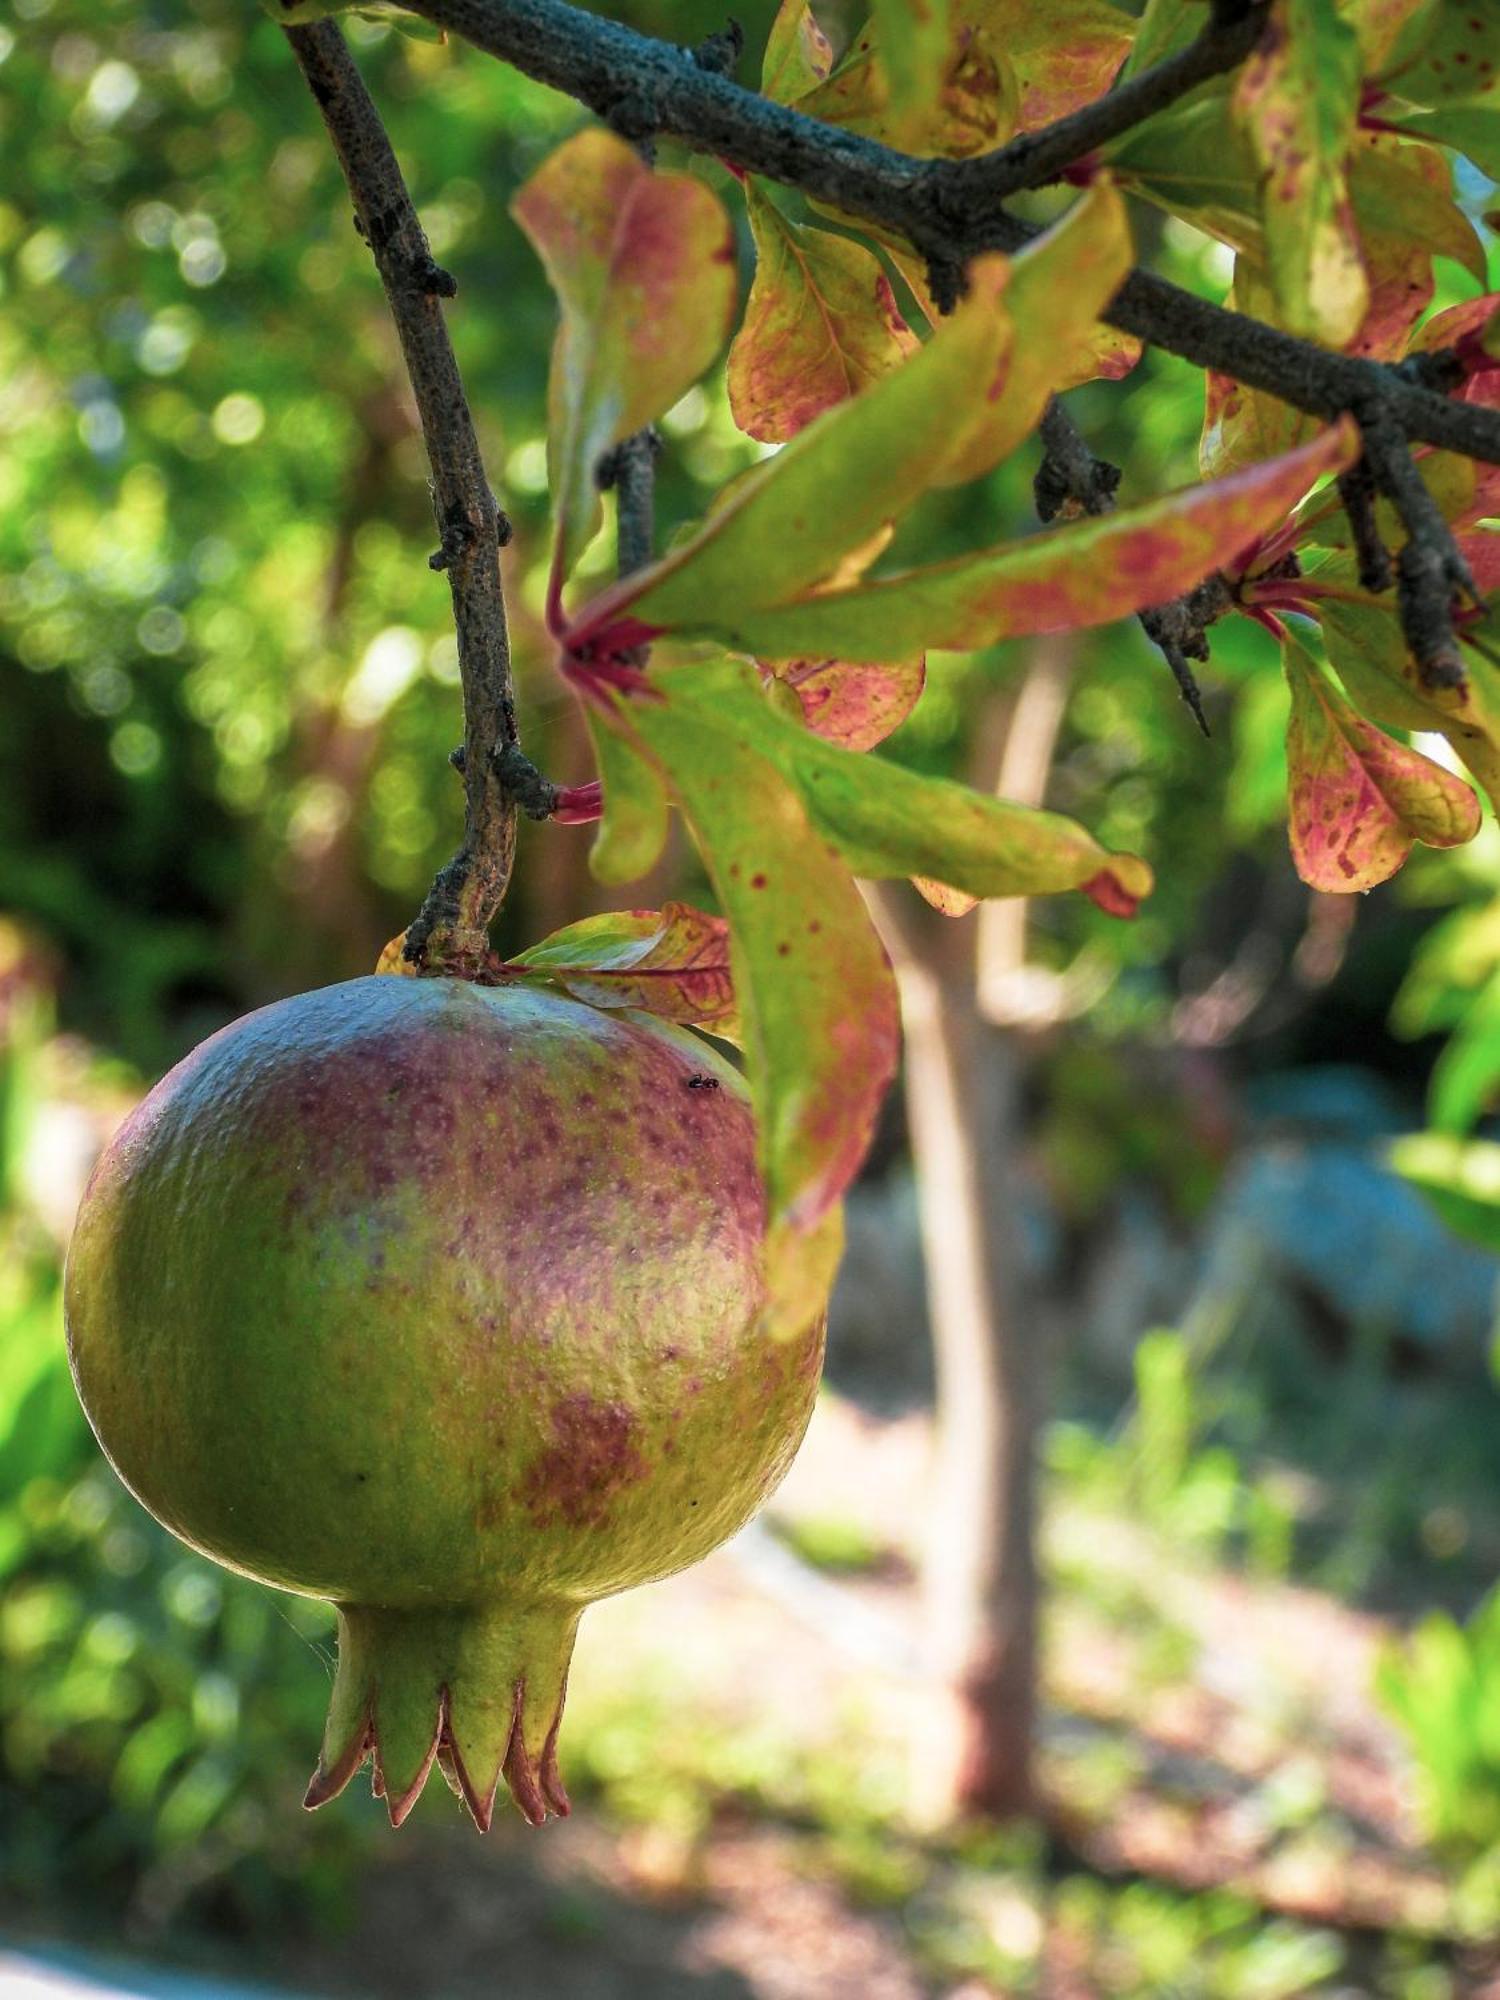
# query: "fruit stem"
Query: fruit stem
478,1689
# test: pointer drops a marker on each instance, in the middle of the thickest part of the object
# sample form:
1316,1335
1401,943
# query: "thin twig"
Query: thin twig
631,470
451,931
1430,571
602,63
1069,471
1034,158
1357,491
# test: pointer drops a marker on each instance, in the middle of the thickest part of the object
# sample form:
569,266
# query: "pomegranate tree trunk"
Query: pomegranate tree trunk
980,1580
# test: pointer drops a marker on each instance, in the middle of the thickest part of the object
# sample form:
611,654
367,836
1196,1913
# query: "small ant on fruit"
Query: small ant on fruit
703,1083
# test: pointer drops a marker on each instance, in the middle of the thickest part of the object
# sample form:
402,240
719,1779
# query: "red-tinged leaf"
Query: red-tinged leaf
951,902
643,265
1468,489
798,54
672,962
1064,54
817,1000
1406,214
1058,287
1370,655
972,110
789,523
854,705
1480,549
1086,573
822,323
1296,100
1358,799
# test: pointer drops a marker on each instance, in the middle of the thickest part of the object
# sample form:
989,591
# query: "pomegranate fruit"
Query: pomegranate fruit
439,1301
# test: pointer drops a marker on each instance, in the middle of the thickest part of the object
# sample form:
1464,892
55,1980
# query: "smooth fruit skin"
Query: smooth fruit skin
439,1301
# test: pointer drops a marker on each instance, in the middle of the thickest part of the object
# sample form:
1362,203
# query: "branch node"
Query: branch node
720,52
521,781
947,280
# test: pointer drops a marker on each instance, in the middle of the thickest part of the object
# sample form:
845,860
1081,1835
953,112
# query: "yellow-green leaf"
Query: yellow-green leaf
798,54
643,266
1296,100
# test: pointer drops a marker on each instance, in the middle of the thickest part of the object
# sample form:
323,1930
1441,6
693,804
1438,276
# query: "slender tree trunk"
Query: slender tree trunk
980,1583
968,998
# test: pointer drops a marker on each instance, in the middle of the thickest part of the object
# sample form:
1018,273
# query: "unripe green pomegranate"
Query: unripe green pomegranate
439,1301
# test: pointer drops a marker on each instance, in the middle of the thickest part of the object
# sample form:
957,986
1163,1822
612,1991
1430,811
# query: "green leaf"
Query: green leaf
916,53
886,821
672,962
1357,799
798,55
1296,101
633,829
818,1006
821,324
793,518
1461,1178
643,266
1466,1076
1086,573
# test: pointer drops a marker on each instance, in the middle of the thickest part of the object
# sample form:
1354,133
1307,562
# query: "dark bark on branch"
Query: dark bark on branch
451,930
932,202
631,470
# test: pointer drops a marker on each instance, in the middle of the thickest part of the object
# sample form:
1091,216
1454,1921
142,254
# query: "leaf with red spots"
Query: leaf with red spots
1064,55
1406,214
855,705
643,266
1358,799
1296,100
821,324
1086,573
793,520
1441,79
672,962
798,55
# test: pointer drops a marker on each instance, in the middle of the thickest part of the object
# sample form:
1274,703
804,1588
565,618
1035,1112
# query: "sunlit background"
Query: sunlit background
1268,1748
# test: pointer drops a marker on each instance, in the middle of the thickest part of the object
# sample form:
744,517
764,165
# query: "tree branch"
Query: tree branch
1429,568
451,930
931,202
631,469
